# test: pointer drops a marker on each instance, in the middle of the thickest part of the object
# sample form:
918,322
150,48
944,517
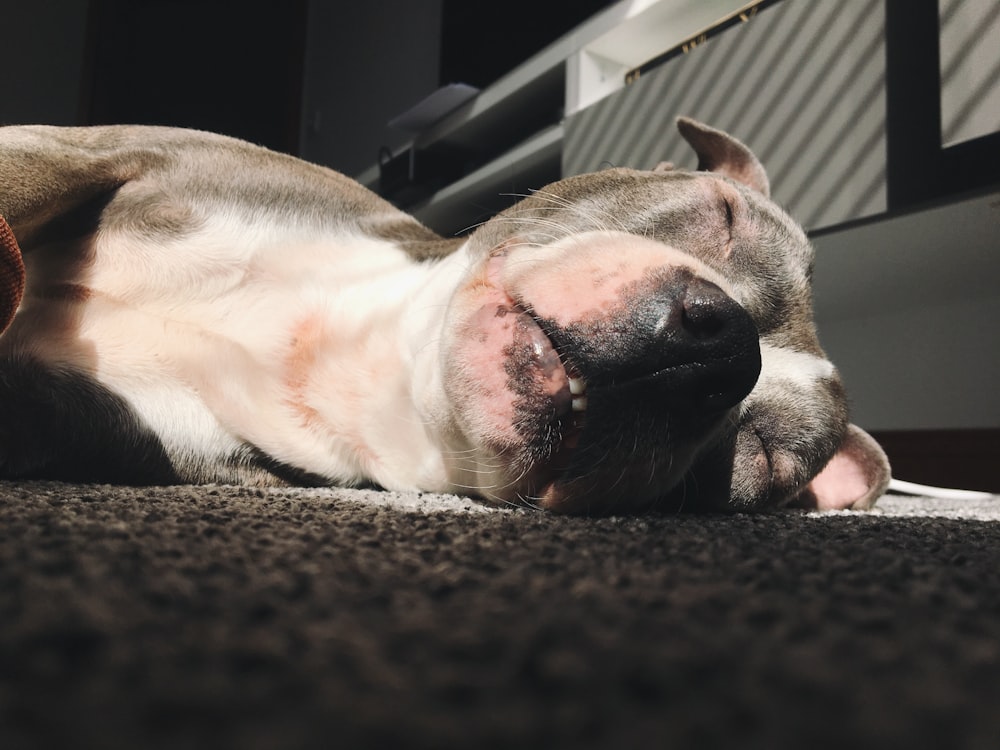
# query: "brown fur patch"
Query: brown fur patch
66,292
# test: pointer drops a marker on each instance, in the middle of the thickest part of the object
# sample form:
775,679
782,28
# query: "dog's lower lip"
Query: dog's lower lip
568,424
551,474
572,397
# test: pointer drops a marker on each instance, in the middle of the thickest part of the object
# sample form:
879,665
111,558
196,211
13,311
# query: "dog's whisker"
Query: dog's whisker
530,502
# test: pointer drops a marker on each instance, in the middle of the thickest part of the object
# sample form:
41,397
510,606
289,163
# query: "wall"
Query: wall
970,68
907,308
365,63
41,56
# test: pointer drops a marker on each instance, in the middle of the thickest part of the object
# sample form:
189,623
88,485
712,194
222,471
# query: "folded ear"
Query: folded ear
856,476
720,152
11,275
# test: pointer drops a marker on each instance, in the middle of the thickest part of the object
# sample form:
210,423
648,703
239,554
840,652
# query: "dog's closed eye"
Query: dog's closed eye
728,208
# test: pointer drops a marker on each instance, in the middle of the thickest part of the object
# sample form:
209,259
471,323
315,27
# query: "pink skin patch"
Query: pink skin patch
504,357
592,272
840,485
299,363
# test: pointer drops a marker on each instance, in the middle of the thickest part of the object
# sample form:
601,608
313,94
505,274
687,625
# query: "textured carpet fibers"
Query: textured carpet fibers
227,617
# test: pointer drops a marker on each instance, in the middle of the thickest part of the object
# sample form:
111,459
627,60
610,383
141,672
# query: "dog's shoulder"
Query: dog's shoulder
162,181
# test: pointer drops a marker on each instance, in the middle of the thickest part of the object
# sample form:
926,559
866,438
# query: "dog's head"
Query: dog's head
628,338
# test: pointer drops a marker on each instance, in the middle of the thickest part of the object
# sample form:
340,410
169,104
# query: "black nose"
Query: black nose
709,355
706,312
683,341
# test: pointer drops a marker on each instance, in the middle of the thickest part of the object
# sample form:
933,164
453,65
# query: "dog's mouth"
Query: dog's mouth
569,400
601,430
547,384
552,403
574,456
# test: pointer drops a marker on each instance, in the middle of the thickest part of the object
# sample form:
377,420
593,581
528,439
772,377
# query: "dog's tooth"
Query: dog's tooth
577,386
580,403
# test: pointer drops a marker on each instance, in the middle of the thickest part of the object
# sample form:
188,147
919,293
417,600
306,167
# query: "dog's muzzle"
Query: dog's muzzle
685,345
664,370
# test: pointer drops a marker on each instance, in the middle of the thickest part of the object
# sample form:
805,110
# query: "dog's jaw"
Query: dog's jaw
553,352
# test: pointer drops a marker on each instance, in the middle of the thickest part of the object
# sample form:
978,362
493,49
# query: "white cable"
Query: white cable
944,493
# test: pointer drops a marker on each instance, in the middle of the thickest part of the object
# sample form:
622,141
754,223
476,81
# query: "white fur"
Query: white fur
801,369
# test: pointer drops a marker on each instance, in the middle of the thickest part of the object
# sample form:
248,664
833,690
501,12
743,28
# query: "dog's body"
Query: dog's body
198,309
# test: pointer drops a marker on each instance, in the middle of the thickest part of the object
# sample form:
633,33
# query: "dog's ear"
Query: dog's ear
856,476
720,152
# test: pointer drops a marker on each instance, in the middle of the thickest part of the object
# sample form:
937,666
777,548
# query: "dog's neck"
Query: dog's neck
394,427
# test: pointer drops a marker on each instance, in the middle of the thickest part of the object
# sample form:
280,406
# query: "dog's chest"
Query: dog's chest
299,347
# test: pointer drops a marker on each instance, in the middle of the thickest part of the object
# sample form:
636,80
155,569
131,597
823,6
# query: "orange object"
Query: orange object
11,275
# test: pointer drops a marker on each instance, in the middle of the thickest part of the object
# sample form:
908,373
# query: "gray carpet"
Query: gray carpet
236,618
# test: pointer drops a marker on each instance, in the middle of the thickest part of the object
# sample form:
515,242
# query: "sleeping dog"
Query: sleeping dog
199,309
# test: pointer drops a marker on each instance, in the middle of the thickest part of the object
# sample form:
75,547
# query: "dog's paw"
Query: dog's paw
772,475
760,475
855,477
